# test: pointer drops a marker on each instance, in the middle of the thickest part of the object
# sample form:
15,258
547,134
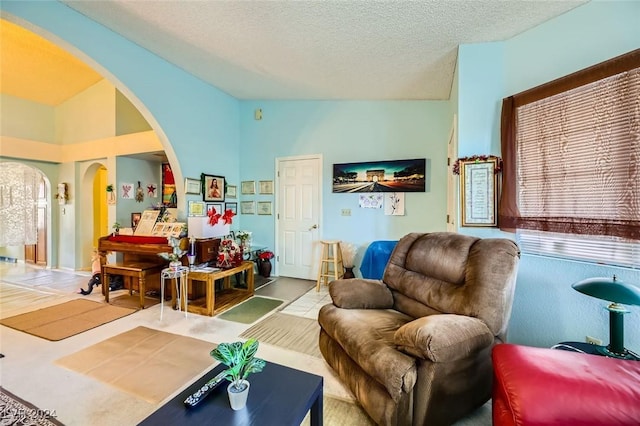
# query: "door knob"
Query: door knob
313,227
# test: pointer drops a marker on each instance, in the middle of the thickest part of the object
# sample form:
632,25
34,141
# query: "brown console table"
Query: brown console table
227,297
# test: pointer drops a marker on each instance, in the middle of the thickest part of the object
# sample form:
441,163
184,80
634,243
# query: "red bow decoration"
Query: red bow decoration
213,216
227,217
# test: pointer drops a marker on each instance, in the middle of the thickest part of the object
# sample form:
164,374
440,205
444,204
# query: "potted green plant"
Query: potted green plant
116,228
241,360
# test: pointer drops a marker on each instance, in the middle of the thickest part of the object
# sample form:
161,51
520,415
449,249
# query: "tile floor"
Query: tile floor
28,371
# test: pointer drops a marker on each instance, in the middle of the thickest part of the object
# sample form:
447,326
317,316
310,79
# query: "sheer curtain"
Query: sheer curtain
18,201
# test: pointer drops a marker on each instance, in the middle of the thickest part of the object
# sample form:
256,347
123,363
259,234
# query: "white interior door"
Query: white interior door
298,220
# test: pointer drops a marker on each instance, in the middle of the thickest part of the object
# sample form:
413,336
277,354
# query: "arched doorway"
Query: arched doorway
24,213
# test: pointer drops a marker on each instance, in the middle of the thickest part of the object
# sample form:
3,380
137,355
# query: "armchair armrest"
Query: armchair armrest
443,338
357,293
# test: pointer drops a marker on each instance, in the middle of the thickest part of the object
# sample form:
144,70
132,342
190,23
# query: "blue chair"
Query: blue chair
376,258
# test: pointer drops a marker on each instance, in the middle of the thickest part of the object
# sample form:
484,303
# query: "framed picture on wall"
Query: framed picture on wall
479,197
264,207
266,187
212,188
214,208
248,207
169,195
231,206
248,186
192,186
232,191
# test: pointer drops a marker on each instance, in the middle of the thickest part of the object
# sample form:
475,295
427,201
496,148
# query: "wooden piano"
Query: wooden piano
140,254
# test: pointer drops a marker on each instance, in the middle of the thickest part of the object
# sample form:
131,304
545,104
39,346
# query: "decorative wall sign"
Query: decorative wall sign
478,192
394,204
380,176
126,191
152,190
371,201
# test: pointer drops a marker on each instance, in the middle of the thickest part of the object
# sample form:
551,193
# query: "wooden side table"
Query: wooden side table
209,278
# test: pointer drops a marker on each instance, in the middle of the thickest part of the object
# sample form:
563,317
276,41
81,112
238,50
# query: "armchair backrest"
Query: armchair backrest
445,272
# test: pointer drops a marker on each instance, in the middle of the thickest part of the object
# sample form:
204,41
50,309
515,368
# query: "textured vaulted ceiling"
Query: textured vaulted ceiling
313,49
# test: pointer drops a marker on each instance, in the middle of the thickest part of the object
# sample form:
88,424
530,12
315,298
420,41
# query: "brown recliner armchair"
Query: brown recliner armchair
415,347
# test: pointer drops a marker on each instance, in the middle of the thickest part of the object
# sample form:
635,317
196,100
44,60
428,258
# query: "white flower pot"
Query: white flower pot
238,400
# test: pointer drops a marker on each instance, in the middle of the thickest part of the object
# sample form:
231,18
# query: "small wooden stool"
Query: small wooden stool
330,263
139,270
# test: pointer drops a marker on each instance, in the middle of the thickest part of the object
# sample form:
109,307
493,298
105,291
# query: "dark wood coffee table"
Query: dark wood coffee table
279,395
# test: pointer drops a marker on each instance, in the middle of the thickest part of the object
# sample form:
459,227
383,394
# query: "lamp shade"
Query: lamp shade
609,289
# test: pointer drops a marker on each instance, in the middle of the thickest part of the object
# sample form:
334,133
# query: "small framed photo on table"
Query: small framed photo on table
135,219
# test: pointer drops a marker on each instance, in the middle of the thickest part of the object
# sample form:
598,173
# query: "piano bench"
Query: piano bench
135,270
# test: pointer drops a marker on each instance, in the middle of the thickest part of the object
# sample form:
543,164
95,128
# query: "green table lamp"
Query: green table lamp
618,293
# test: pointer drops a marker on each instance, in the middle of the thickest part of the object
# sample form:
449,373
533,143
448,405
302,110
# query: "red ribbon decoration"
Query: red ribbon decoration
213,216
227,217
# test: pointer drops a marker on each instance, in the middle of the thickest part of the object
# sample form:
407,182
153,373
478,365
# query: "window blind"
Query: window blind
571,165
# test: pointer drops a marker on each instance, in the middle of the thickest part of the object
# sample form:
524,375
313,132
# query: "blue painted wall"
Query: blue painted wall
208,131
350,132
546,309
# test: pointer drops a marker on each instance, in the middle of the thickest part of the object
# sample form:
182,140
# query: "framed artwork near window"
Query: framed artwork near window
212,188
248,187
247,207
478,192
192,186
266,187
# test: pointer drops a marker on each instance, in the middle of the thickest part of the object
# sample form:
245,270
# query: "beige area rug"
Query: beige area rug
338,412
288,331
133,301
147,363
66,319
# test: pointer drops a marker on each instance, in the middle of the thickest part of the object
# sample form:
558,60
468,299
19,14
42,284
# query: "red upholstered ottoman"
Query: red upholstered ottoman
538,386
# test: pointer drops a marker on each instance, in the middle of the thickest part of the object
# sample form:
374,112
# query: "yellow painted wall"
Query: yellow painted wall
100,224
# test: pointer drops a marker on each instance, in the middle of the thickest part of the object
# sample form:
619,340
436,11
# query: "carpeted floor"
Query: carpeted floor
66,319
287,331
15,411
144,362
251,310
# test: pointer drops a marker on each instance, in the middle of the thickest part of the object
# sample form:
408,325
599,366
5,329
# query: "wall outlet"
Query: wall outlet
593,341
346,212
